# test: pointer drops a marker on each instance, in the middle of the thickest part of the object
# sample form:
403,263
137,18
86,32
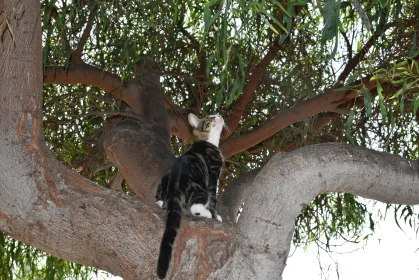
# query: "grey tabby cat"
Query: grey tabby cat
191,184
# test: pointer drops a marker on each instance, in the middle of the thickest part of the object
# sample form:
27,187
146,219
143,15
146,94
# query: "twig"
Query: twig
76,56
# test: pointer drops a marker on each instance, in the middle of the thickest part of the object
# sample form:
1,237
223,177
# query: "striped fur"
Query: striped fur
191,184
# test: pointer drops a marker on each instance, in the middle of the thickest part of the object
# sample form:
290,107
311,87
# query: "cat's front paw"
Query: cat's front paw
160,203
219,218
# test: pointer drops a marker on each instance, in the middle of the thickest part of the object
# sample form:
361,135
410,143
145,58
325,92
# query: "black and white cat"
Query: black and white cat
191,184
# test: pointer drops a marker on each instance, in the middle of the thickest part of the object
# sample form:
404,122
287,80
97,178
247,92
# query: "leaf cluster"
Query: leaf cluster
20,261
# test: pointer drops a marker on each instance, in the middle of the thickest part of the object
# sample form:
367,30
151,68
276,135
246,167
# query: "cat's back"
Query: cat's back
206,150
199,154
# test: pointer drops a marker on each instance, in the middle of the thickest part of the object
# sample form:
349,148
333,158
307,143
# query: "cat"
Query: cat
191,184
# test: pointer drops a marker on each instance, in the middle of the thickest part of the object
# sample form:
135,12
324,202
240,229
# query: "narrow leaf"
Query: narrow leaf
349,126
367,102
416,104
383,109
282,8
413,48
405,87
402,106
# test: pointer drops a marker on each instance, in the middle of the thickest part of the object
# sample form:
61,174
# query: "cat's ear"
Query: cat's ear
193,120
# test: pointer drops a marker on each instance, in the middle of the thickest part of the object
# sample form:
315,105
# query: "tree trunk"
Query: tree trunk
49,206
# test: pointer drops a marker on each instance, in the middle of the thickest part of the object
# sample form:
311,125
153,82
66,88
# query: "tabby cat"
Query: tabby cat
191,184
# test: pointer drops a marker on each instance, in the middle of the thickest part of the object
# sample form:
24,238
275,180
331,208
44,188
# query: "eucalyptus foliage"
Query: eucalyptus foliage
20,261
206,51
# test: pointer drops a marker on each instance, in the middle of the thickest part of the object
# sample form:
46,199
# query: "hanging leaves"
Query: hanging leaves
367,102
330,14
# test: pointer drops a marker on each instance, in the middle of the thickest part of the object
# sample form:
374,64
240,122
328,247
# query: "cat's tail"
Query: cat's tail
174,214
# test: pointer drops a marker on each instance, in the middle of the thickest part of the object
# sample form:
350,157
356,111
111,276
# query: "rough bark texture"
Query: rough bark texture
47,205
141,150
140,155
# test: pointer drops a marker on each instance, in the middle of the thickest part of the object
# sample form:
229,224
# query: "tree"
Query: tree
136,69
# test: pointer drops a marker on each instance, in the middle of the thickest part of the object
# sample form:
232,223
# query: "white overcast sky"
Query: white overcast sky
389,254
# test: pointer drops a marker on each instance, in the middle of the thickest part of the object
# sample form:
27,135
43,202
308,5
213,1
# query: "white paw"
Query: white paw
219,218
159,203
200,210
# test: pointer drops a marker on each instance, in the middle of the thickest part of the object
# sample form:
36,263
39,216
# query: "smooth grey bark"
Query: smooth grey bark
45,204
235,195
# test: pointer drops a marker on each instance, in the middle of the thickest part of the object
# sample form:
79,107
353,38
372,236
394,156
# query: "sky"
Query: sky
389,254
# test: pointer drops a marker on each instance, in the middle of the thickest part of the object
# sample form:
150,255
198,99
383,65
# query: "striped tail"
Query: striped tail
174,213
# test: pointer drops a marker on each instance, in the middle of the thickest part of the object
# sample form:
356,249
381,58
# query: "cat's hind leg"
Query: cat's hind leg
200,210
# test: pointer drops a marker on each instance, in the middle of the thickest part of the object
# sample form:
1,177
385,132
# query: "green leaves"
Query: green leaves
415,104
413,50
367,102
20,261
383,109
405,87
330,14
404,75
260,8
209,19
349,123
407,214
331,216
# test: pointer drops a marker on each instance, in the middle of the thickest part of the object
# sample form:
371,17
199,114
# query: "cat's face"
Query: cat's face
206,128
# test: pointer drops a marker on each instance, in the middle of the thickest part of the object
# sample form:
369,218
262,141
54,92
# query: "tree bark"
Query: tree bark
49,206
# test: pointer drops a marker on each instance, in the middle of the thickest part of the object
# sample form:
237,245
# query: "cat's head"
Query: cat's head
208,128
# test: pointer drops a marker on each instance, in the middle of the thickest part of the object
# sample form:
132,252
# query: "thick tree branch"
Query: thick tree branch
141,156
233,197
91,75
85,74
134,147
